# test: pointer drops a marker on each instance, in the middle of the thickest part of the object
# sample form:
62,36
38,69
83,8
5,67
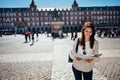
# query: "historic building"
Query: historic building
33,19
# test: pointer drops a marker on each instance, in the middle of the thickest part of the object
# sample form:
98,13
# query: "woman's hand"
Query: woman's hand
78,58
89,60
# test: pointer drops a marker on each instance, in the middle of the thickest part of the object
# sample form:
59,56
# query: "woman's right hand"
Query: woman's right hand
78,58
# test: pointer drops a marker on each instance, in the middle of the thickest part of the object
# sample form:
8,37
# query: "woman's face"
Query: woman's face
87,32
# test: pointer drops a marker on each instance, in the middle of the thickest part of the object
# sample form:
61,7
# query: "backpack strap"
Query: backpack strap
76,49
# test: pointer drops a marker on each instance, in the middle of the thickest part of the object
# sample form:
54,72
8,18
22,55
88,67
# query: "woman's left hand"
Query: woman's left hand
89,60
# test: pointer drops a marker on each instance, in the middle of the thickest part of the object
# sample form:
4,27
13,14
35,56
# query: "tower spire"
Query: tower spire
32,2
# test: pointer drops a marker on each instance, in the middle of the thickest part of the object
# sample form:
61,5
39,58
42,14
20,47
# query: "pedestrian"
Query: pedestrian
37,35
72,35
85,46
28,35
33,38
26,39
0,34
75,35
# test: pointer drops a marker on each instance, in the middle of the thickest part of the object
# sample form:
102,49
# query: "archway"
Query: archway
21,28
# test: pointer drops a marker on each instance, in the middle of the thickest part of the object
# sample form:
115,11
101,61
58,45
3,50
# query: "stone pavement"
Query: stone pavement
47,59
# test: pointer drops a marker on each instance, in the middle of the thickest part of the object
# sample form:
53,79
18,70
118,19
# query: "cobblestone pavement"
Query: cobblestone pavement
21,61
47,59
26,70
110,68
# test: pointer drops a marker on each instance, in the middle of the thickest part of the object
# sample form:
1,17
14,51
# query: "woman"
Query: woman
85,46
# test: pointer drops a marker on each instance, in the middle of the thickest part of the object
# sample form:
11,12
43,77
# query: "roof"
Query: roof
14,9
100,8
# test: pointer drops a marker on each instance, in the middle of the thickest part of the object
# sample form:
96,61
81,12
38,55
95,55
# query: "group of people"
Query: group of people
30,35
74,35
109,33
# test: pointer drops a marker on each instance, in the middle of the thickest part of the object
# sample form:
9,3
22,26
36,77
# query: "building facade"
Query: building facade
30,18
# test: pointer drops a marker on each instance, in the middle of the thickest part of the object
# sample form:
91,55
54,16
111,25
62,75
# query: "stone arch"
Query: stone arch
21,28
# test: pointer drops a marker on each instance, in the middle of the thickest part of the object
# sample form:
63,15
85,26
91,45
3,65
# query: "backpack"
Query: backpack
76,49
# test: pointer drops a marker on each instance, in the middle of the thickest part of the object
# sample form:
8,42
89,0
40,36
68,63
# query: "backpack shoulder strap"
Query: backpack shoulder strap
76,49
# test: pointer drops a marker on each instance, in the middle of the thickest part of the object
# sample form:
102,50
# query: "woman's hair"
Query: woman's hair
92,39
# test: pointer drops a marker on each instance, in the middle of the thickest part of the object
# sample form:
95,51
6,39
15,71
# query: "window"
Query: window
80,18
62,18
107,12
25,19
12,24
71,13
75,22
11,14
75,17
50,18
33,19
80,22
32,9
75,13
66,13
11,19
91,13
67,18
37,19
28,19
71,17
82,13
19,14
19,19
41,14
28,24
7,14
67,22
117,12
37,23
87,13
111,17
41,18
45,14
110,12
14,19
25,14
37,14
46,18
63,13
33,24
88,18
33,14
41,23
79,13
3,14
14,14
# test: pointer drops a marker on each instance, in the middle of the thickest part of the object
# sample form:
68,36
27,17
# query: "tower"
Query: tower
74,5
33,7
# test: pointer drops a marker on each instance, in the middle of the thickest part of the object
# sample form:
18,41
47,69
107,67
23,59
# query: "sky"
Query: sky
57,3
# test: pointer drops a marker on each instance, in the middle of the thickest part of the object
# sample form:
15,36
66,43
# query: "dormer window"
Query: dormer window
32,9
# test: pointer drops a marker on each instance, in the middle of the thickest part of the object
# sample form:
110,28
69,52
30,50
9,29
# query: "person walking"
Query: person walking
75,35
33,38
83,48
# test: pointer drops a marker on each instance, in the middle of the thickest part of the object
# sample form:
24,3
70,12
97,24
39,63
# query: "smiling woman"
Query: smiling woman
86,46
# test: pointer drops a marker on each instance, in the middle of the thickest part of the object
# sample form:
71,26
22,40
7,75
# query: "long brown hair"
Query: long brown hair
92,39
